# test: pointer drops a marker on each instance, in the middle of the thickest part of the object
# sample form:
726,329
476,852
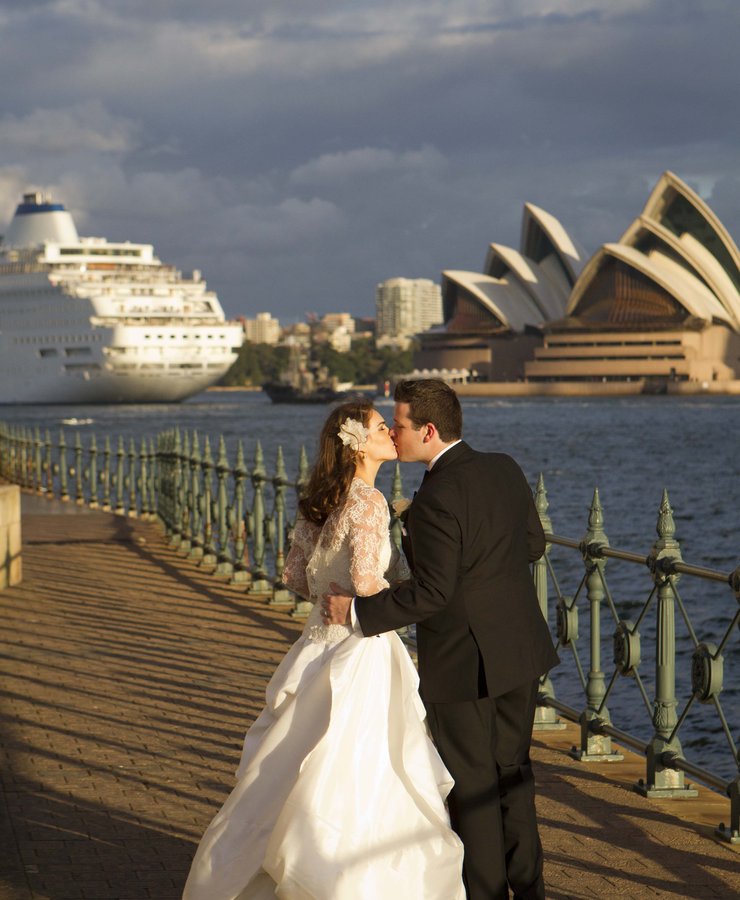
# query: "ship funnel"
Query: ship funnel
38,220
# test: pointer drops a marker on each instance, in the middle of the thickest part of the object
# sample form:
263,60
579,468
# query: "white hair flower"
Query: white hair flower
352,433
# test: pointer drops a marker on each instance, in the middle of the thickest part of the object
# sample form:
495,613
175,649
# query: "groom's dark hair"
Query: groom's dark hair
431,400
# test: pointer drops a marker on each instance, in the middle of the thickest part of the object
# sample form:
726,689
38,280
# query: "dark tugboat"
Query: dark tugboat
303,382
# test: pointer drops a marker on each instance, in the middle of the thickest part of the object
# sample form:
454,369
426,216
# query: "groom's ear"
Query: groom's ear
430,430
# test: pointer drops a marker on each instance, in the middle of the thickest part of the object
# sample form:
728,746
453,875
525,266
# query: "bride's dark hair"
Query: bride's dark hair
334,468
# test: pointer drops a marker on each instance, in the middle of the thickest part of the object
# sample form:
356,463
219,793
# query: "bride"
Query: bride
340,792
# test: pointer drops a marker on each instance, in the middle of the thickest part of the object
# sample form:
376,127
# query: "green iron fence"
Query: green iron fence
236,519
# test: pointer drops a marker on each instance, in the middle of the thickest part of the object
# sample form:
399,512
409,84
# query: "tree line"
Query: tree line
364,363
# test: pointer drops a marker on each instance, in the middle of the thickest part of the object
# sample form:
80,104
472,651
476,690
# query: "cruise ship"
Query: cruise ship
84,320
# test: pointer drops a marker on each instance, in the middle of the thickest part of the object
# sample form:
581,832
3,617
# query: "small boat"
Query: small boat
280,392
306,382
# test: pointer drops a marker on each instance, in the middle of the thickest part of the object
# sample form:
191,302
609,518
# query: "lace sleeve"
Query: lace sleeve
305,536
368,537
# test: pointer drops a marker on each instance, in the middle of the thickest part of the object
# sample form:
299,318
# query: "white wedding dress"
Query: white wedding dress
340,792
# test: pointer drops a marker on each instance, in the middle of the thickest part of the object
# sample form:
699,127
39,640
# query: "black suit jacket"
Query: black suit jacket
472,530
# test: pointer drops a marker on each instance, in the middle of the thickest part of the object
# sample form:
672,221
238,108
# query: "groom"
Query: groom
472,532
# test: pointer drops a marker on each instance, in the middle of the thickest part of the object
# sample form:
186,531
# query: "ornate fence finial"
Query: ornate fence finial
666,526
595,533
541,504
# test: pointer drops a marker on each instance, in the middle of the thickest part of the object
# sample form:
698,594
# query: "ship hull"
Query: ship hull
104,390
286,393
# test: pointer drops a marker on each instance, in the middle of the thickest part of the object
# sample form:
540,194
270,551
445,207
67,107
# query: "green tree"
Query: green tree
255,364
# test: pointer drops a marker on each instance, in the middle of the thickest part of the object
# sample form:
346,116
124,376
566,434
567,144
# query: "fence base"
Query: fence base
667,793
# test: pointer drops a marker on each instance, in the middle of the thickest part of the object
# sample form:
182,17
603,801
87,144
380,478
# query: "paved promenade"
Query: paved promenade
127,678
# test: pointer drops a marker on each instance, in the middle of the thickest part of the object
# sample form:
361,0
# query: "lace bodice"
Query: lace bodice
352,549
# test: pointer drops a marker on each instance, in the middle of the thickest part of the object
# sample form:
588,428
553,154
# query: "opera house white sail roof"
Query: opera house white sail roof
676,263
518,289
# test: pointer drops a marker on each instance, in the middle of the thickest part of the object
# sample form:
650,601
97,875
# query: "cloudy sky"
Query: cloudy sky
300,151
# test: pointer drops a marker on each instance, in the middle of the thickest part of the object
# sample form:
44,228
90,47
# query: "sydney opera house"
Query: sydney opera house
659,307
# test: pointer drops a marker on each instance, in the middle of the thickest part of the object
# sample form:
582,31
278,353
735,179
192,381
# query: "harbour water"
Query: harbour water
629,448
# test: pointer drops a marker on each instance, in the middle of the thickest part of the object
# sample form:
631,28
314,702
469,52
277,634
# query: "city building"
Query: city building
263,329
405,307
297,334
332,321
335,329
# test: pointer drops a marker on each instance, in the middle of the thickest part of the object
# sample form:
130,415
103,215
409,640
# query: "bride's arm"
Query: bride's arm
305,536
368,538
398,570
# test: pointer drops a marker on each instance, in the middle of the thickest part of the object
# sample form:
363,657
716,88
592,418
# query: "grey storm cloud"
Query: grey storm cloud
300,151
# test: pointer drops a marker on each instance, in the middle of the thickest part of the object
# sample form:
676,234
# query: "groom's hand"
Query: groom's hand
335,607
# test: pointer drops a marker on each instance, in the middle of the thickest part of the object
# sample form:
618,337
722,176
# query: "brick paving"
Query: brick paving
127,678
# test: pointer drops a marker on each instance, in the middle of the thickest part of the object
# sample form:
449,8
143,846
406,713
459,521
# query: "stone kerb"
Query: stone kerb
10,535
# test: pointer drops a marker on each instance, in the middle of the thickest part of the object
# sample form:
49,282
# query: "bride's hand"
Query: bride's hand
335,607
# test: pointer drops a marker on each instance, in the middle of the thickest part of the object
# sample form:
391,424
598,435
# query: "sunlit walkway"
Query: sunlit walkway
127,678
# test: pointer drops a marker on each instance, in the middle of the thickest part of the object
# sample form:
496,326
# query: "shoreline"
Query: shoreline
639,387
635,388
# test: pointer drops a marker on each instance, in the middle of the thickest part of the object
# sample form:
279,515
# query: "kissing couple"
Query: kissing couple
341,794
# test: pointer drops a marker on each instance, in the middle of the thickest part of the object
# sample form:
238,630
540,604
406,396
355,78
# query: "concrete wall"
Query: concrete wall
10,535
494,357
706,355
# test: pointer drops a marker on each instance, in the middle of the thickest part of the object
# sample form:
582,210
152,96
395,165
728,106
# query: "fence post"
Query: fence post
48,466
93,473
63,472
120,456
39,477
260,584
662,780
131,482
281,596
302,607
241,561
181,496
141,482
196,509
396,495
545,717
595,747
209,550
225,567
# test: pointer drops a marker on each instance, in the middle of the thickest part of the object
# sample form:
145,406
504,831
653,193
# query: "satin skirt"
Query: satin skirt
340,792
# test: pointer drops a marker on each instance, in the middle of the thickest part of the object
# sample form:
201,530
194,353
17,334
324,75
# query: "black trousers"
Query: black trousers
485,745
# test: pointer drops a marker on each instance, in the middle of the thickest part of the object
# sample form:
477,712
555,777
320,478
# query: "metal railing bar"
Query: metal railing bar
670,760
685,615
577,661
730,629
609,599
725,727
669,566
596,550
562,541
553,578
645,608
645,698
575,716
683,715
608,690
701,572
